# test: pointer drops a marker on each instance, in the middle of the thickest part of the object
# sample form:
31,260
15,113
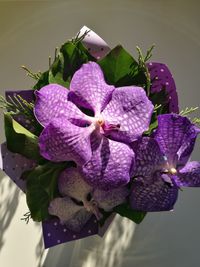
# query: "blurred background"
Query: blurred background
29,33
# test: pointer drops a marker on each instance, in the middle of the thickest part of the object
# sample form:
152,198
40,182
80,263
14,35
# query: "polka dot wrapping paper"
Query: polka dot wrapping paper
114,131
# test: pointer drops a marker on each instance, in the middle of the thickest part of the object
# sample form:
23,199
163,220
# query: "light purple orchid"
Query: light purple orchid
80,201
100,144
161,164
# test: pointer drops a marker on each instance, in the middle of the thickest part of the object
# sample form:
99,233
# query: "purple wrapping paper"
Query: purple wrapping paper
162,77
14,164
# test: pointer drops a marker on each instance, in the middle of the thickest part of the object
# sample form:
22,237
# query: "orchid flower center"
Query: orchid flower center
105,127
100,122
172,171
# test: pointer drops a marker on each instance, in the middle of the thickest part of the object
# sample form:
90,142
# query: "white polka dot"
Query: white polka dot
150,63
89,231
58,241
95,221
162,70
74,236
156,78
55,224
49,234
167,83
64,230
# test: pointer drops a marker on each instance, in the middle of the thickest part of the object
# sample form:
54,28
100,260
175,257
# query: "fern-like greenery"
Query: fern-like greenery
187,111
142,59
16,105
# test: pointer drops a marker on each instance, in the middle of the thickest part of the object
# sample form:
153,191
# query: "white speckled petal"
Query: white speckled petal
89,89
52,102
64,208
78,221
107,200
71,183
131,109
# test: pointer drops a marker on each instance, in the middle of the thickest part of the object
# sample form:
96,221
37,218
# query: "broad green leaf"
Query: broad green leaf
69,60
20,140
42,188
56,73
121,69
125,211
44,80
161,98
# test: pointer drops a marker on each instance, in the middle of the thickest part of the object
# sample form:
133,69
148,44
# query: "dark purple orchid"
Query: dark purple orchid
161,164
100,144
80,201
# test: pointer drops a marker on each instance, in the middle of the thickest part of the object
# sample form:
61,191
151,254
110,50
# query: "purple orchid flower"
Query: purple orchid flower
99,144
80,201
161,166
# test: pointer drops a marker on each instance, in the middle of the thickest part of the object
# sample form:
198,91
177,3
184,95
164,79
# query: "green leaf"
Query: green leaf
152,127
56,73
42,188
160,98
125,211
20,140
121,69
44,80
69,60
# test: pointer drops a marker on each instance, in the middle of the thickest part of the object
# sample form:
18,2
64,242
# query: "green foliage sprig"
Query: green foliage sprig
142,64
196,120
188,111
26,217
31,74
79,37
16,105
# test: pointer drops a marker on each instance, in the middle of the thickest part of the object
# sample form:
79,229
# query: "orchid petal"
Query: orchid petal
64,208
52,102
187,146
110,165
89,89
156,195
176,136
148,157
78,221
64,141
72,184
107,200
189,175
131,109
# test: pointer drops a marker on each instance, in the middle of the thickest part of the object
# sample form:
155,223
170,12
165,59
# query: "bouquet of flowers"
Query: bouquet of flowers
99,134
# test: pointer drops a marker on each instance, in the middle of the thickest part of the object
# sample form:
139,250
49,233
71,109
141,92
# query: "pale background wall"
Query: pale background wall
29,32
